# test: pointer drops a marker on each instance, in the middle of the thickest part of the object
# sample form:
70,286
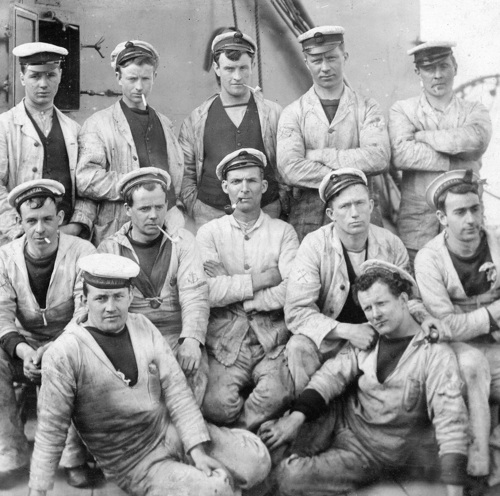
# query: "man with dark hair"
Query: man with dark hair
328,128
320,310
457,273
248,257
125,137
39,294
391,394
237,117
171,289
114,375
431,134
38,141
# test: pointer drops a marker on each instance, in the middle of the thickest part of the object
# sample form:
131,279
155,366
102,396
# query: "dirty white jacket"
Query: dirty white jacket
21,160
106,153
234,307
191,140
19,310
456,140
443,293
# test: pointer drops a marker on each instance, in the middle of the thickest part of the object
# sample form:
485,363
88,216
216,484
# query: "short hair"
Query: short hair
458,189
329,204
231,54
39,201
140,61
396,284
148,186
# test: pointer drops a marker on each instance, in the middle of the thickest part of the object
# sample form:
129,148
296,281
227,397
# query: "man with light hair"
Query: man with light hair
328,128
430,134
125,137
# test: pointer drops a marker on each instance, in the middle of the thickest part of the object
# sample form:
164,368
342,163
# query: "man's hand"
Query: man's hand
214,269
433,327
276,433
189,356
206,463
362,336
31,363
267,279
73,228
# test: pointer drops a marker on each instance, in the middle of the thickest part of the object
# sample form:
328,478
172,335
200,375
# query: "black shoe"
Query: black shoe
78,476
476,485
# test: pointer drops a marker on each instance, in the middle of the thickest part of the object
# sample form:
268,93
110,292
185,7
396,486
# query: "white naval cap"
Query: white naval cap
321,39
240,159
108,271
337,180
431,52
33,189
127,50
233,40
376,265
141,176
39,56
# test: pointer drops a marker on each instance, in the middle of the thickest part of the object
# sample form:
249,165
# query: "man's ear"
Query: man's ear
329,213
442,218
60,215
224,186
216,68
265,185
21,76
127,209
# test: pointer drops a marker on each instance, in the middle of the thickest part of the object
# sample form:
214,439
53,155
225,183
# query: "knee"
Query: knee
290,476
222,406
473,366
300,349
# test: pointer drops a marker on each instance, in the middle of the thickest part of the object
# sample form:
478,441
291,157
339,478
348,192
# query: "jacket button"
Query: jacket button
246,237
342,287
35,169
37,144
134,158
246,266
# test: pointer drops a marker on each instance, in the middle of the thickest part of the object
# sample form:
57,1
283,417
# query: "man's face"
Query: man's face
136,80
438,78
40,223
41,87
327,69
234,74
147,212
384,311
351,210
463,217
108,308
246,185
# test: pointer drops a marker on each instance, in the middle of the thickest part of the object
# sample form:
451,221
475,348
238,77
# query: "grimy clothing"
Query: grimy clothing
139,435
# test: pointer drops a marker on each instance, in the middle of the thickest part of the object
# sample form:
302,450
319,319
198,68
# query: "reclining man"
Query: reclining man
171,289
396,389
457,277
125,137
320,309
117,378
39,294
248,257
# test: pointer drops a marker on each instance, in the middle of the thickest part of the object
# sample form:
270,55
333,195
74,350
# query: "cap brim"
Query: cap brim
322,49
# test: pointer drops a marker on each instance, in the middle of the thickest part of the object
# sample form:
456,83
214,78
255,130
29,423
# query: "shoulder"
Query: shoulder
101,116
7,117
406,105
382,234
76,245
272,106
66,120
215,225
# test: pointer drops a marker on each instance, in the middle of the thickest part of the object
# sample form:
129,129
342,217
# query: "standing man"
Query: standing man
328,128
171,289
390,395
39,294
125,137
116,377
431,134
320,308
457,273
38,141
248,256
237,117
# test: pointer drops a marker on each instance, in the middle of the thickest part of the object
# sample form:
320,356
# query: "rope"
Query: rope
490,193
235,20
257,39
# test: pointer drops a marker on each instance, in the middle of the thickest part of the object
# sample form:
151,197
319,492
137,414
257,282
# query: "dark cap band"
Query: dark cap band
339,183
148,178
320,40
33,193
450,183
242,161
432,55
233,41
132,51
43,58
105,282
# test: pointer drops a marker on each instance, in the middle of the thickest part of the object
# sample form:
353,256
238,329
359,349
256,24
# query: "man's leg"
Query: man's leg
223,401
475,373
14,450
273,391
304,359
307,211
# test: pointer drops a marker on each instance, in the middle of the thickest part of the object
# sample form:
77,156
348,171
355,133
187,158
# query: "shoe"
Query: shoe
78,476
476,485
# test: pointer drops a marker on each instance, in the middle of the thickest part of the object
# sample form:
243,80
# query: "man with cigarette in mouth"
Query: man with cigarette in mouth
39,293
237,117
171,288
125,137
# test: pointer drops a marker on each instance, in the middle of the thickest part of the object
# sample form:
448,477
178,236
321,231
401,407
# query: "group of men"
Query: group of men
187,360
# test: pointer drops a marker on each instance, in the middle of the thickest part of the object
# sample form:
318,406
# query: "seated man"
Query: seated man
38,297
395,390
170,290
457,277
119,381
247,256
320,310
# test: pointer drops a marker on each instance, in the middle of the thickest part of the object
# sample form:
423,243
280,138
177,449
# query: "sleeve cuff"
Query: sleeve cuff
9,342
454,469
311,404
